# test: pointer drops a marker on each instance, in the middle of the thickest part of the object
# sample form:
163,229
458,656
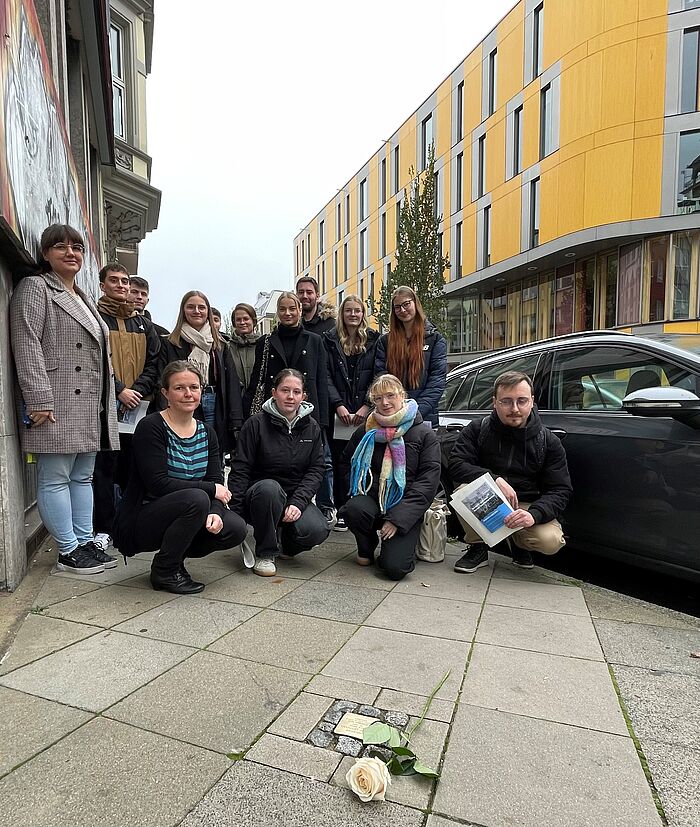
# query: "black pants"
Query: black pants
111,468
174,524
341,472
265,502
397,555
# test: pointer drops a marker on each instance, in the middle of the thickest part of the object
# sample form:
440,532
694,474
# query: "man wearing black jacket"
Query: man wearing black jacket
529,465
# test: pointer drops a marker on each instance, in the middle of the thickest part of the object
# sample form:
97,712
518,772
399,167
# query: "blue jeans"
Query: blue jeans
64,497
208,403
324,497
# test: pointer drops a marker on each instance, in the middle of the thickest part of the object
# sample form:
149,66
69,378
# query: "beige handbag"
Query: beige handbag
433,533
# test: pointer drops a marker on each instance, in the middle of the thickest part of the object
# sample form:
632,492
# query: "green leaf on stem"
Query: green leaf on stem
376,733
421,769
395,738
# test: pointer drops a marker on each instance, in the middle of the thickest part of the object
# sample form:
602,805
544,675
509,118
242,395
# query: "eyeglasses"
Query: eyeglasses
63,248
403,306
520,402
392,396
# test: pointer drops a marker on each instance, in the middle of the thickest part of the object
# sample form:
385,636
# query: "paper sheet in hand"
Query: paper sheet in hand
342,431
481,503
129,419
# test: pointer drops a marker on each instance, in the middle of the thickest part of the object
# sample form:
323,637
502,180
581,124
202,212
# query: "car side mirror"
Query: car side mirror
676,403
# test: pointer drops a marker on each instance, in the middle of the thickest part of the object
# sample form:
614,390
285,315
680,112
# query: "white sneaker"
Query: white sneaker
248,554
102,541
265,567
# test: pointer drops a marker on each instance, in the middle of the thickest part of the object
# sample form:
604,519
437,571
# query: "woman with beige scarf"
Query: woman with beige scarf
196,340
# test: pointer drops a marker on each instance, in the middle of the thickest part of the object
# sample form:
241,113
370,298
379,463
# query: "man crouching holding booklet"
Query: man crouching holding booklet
529,466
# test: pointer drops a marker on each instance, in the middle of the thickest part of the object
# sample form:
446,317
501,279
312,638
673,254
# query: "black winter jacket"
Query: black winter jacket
434,376
309,358
149,478
268,449
512,453
229,401
344,389
322,321
422,472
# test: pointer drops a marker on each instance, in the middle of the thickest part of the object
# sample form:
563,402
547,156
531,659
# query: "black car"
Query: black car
628,413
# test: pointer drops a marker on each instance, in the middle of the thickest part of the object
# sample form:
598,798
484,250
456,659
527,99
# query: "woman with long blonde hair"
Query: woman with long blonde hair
415,351
351,349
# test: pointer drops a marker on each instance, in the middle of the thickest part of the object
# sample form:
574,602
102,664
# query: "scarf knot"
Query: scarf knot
113,307
202,342
392,478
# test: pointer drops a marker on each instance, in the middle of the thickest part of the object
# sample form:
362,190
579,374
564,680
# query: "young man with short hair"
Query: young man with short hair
529,465
317,316
139,293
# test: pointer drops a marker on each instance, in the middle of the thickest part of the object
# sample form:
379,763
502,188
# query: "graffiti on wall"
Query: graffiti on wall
38,181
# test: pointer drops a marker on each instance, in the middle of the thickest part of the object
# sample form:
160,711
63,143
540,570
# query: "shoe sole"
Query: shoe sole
340,528
524,565
473,569
265,573
92,570
363,561
159,588
111,565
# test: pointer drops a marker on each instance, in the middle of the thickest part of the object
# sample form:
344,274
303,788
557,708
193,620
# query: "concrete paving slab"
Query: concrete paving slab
291,641
248,589
611,606
440,580
304,566
537,631
439,821
521,594
109,606
661,705
212,700
426,615
342,690
109,576
127,777
502,769
39,636
413,790
347,571
676,773
505,570
56,589
191,621
552,687
294,756
397,660
300,717
252,795
650,647
391,699
115,665
29,725
331,601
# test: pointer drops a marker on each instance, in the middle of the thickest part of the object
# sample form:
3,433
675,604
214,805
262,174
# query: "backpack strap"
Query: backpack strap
484,429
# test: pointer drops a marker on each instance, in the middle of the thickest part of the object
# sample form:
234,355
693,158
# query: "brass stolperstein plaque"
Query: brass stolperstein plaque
353,724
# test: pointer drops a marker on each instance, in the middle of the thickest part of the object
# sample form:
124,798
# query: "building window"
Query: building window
481,167
308,249
341,296
338,222
458,250
398,221
323,276
460,111
518,140
487,237
116,53
426,140
537,40
689,70
364,249
370,294
364,204
382,182
682,258
321,239
396,169
546,122
658,260
347,214
459,174
297,259
361,289
535,212
629,284
303,256
335,268
492,81
345,261
688,198
382,234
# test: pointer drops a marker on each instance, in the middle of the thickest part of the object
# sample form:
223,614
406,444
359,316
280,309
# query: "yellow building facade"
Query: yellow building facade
567,163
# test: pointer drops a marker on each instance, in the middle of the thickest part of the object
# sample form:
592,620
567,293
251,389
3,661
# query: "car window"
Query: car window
599,378
481,396
451,388
460,401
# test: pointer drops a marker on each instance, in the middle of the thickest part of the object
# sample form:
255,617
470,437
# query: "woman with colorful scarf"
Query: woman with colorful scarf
394,476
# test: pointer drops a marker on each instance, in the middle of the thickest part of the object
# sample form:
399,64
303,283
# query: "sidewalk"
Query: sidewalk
121,704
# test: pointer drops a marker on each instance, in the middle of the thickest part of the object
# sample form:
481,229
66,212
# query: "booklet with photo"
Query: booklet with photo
481,503
129,419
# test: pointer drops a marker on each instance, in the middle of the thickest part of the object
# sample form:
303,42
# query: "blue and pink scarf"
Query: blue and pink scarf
392,477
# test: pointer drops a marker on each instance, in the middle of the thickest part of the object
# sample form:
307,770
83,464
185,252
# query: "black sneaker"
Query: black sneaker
79,561
522,558
340,525
95,551
175,582
477,556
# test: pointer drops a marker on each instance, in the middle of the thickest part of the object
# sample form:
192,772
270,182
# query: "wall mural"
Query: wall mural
38,182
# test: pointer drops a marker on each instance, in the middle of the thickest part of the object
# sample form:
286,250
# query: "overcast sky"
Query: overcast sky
258,112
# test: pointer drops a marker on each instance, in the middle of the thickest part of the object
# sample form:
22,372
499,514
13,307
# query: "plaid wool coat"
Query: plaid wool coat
61,366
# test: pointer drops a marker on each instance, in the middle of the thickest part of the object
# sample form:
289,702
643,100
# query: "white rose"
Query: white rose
368,779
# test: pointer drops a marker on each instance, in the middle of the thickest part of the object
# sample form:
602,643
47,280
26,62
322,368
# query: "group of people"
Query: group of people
327,424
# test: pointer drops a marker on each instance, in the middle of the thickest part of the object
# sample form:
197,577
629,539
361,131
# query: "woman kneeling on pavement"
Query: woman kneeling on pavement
277,469
394,476
176,500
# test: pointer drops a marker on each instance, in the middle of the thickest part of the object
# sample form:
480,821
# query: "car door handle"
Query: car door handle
455,426
558,431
